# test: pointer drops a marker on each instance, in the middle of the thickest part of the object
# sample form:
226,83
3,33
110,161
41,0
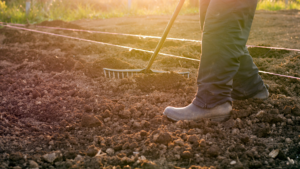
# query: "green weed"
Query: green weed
273,5
70,10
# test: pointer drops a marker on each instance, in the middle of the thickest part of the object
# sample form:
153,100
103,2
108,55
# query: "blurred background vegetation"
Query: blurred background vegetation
14,11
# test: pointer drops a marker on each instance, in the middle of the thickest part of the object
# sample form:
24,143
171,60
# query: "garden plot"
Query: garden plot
58,110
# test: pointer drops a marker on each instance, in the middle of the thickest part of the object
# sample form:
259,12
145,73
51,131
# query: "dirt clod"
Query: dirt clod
186,155
193,139
213,151
90,121
16,158
162,138
296,110
92,151
148,165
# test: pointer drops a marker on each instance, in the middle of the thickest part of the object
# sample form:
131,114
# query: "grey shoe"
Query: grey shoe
192,112
263,95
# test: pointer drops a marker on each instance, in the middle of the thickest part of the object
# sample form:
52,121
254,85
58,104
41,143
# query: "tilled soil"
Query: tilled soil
57,109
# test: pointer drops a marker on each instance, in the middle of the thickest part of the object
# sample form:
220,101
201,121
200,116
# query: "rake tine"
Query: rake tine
130,73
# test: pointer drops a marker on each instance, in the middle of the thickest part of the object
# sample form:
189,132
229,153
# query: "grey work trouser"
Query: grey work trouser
226,70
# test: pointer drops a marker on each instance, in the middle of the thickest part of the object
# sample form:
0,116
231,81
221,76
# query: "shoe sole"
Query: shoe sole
216,118
267,87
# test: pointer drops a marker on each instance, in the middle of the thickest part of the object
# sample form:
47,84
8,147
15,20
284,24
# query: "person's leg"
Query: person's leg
226,30
203,9
247,83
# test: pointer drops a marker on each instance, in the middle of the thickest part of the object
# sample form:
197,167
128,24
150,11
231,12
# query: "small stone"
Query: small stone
110,151
52,156
274,153
221,158
33,164
78,158
291,161
136,125
92,151
239,123
51,142
233,162
142,158
260,114
90,121
288,141
235,131
125,114
177,156
290,122
155,137
106,119
186,155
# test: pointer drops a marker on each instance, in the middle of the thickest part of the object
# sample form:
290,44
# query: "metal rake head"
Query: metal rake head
124,73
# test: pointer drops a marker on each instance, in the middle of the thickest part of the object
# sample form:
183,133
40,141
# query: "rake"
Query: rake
122,73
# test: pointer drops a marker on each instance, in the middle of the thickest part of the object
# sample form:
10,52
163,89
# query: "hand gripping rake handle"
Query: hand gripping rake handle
165,34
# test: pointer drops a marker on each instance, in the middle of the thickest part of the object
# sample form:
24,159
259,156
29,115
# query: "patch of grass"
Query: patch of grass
70,10
77,9
273,5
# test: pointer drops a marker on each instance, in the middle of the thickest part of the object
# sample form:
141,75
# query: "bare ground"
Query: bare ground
58,111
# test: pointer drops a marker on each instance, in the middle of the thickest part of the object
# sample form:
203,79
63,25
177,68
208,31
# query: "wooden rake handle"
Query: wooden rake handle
164,36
